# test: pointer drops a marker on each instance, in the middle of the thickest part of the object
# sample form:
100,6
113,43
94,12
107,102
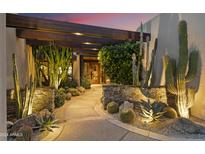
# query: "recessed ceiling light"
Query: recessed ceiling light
87,43
78,34
94,49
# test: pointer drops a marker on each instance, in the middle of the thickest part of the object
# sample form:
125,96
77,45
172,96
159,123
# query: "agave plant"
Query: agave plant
47,122
152,111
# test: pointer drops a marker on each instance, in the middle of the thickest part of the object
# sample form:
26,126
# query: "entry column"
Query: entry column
3,73
76,68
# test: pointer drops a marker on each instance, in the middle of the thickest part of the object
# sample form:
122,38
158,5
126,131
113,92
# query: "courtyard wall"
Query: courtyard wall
165,28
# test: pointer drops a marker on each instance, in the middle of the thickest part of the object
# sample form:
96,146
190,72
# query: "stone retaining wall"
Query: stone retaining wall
121,93
43,99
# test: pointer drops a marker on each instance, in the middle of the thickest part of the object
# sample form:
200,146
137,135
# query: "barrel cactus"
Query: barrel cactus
170,112
112,107
127,115
177,76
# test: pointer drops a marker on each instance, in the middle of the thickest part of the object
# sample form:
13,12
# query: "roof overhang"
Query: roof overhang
82,38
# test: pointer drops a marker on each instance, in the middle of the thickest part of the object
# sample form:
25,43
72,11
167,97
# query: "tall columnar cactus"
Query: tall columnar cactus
177,75
150,66
17,87
139,58
147,65
24,101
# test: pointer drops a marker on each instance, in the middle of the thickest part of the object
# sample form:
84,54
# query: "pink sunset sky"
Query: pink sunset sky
125,21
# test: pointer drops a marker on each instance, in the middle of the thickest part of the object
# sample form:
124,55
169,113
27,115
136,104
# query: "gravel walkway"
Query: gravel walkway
82,122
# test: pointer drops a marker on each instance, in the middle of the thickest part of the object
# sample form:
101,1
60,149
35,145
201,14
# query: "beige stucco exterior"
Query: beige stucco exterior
3,112
17,46
165,28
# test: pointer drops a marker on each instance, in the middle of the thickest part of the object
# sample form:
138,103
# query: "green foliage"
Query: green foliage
60,97
24,133
116,61
59,59
112,107
127,115
176,77
67,83
47,122
24,100
152,111
170,112
85,83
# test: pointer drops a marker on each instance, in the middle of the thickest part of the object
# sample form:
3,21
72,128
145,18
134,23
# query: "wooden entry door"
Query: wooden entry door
92,71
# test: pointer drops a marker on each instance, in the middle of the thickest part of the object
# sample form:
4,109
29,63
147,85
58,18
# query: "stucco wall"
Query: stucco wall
165,28
17,46
2,77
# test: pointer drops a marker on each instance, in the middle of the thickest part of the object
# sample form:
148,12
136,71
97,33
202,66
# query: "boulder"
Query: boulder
126,105
81,89
68,96
44,112
27,121
74,92
9,124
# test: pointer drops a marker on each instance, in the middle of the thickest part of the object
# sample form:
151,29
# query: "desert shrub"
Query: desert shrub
116,61
25,133
60,97
72,84
170,112
47,121
69,83
152,111
74,92
61,90
112,107
127,115
85,83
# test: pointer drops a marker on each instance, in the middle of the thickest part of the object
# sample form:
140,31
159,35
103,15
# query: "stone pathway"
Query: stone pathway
82,122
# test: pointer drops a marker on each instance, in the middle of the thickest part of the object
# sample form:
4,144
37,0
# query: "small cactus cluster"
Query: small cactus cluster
24,133
177,75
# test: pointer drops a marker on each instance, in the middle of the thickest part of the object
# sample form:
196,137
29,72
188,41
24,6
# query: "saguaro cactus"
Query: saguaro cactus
177,75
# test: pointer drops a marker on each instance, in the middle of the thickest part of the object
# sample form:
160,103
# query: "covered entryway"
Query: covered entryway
85,40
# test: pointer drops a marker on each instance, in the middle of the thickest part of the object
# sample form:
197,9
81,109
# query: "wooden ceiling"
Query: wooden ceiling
82,38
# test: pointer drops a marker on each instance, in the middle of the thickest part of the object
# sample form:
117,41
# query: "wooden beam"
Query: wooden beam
25,22
50,36
75,45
